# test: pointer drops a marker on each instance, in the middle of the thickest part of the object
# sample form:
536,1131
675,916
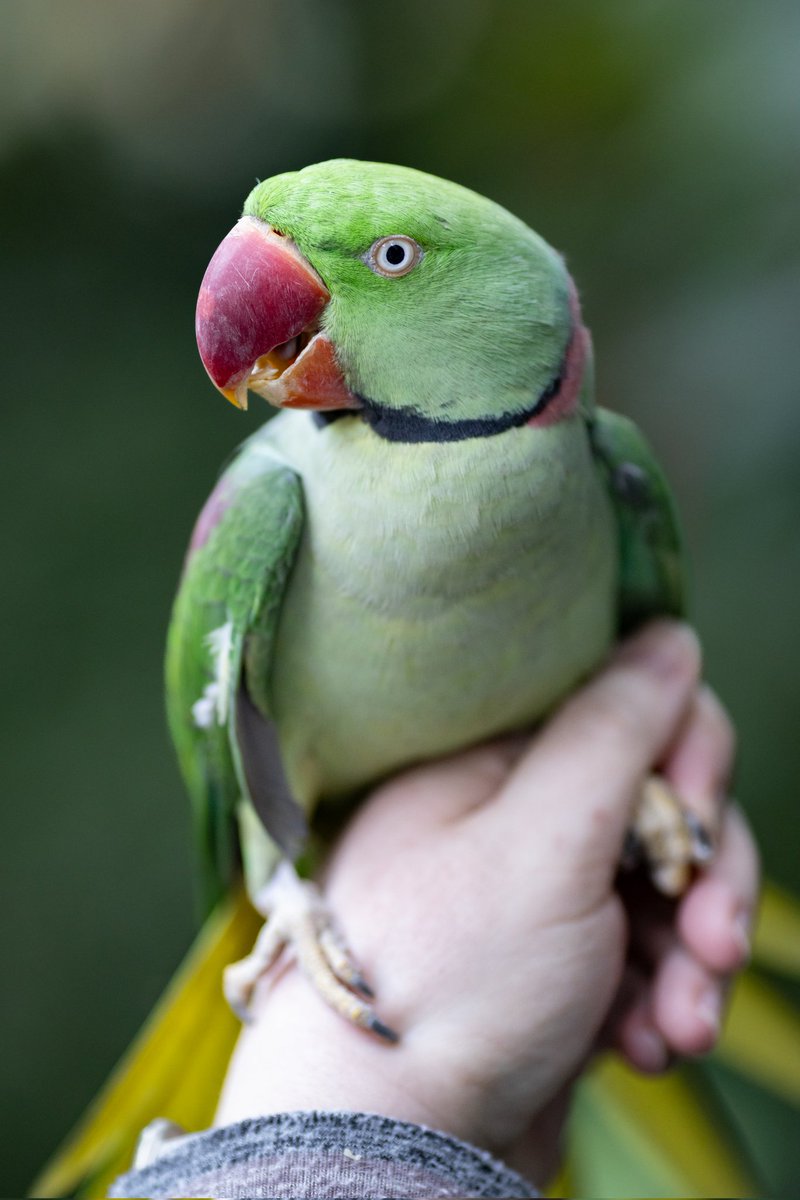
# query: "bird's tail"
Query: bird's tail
174,1069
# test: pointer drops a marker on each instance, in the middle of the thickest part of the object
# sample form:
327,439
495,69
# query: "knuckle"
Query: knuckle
625,712
718,721
746,842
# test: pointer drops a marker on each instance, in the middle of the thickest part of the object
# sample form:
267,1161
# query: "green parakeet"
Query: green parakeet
437,539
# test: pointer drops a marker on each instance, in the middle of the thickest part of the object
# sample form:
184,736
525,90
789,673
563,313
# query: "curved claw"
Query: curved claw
240,978
297,917
670,838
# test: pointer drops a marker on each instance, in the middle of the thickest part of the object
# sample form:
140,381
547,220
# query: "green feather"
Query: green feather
230,593
652,562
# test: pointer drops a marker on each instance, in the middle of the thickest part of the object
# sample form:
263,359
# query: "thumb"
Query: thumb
576,786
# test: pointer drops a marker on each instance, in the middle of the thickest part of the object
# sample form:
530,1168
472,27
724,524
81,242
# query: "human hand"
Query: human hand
479,895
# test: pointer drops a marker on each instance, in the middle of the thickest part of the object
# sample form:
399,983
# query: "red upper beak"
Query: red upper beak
258,295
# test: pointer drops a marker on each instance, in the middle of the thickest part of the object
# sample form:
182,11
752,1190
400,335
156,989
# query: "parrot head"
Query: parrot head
396,297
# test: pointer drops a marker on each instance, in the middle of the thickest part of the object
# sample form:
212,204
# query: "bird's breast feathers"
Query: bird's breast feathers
442,593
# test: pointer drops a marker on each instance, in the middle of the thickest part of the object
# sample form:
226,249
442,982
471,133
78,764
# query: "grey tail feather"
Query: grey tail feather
283,818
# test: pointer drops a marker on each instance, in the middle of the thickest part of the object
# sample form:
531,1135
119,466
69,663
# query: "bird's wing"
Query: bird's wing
652,563
226,612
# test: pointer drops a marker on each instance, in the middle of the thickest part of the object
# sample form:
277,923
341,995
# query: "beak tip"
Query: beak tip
237,396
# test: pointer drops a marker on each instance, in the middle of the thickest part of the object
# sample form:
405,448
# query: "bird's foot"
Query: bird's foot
667,837
298,918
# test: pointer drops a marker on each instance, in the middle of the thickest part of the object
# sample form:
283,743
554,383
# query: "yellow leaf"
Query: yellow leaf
174,1068
761,1038
776,944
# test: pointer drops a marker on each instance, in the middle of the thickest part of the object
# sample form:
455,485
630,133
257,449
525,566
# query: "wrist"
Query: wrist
298,1055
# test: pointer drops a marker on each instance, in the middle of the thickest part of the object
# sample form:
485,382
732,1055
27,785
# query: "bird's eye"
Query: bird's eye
393,256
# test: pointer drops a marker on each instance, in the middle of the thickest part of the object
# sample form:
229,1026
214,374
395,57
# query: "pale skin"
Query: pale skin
480,896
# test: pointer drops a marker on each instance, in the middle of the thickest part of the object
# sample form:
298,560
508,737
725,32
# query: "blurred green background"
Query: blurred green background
656,142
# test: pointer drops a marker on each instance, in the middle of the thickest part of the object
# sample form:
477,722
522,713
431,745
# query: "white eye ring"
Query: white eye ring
393,256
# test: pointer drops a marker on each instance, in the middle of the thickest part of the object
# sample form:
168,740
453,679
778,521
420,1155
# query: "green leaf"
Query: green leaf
761,1039
633,1136
777,938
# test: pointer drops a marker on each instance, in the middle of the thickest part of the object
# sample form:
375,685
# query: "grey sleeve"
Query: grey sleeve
322,1155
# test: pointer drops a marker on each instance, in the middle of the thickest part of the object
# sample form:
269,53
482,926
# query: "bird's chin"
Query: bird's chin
300,373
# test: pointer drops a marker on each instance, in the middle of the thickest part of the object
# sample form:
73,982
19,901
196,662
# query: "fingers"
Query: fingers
628,1027
716,915
690,956
636,1035
577,783
713,921
687,1003
688,952
700,761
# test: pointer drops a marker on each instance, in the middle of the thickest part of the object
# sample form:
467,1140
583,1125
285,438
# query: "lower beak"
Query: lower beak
309,378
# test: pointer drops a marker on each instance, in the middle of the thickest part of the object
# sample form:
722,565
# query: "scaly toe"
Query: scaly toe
342,963
238,986
299,918
669,837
